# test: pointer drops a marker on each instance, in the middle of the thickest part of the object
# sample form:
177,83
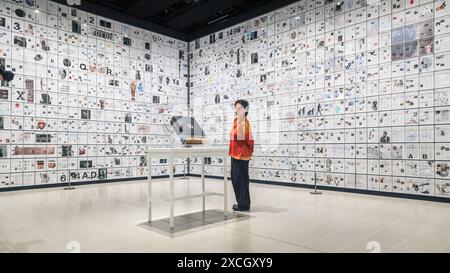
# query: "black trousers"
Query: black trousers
241,182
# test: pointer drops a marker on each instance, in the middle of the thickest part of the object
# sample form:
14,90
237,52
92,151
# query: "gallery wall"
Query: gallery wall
354,94
90,95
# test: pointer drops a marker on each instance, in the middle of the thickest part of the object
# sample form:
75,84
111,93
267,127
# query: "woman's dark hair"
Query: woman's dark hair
244,103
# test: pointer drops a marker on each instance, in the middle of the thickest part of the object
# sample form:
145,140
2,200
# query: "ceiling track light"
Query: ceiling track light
218,19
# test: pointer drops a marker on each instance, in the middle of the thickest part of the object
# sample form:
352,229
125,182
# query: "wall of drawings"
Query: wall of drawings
354,93
89,97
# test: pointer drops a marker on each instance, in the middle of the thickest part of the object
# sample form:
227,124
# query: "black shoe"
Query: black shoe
237,208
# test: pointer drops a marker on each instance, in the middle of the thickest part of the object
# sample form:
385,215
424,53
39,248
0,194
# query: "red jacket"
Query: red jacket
241,140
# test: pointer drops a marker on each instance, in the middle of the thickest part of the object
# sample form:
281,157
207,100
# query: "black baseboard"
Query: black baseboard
77,184
307,186
357,191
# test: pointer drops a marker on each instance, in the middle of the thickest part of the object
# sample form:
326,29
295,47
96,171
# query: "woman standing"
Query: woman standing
241,150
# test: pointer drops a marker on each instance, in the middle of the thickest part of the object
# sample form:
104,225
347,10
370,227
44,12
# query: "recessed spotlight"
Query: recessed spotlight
36,11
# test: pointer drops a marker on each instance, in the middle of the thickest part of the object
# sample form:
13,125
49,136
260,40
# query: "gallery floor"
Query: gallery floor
108,218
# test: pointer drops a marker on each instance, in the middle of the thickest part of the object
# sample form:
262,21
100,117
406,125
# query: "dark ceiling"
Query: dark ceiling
182,19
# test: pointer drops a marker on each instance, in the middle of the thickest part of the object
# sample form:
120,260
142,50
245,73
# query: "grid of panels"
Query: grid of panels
357,94
89,97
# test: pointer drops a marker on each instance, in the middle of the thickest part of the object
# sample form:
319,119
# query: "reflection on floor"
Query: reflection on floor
110,217
187,222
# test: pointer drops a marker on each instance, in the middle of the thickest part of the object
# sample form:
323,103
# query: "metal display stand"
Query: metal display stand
315,186
184,172
170,154
69,187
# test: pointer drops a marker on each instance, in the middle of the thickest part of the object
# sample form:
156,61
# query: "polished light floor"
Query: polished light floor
109,217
